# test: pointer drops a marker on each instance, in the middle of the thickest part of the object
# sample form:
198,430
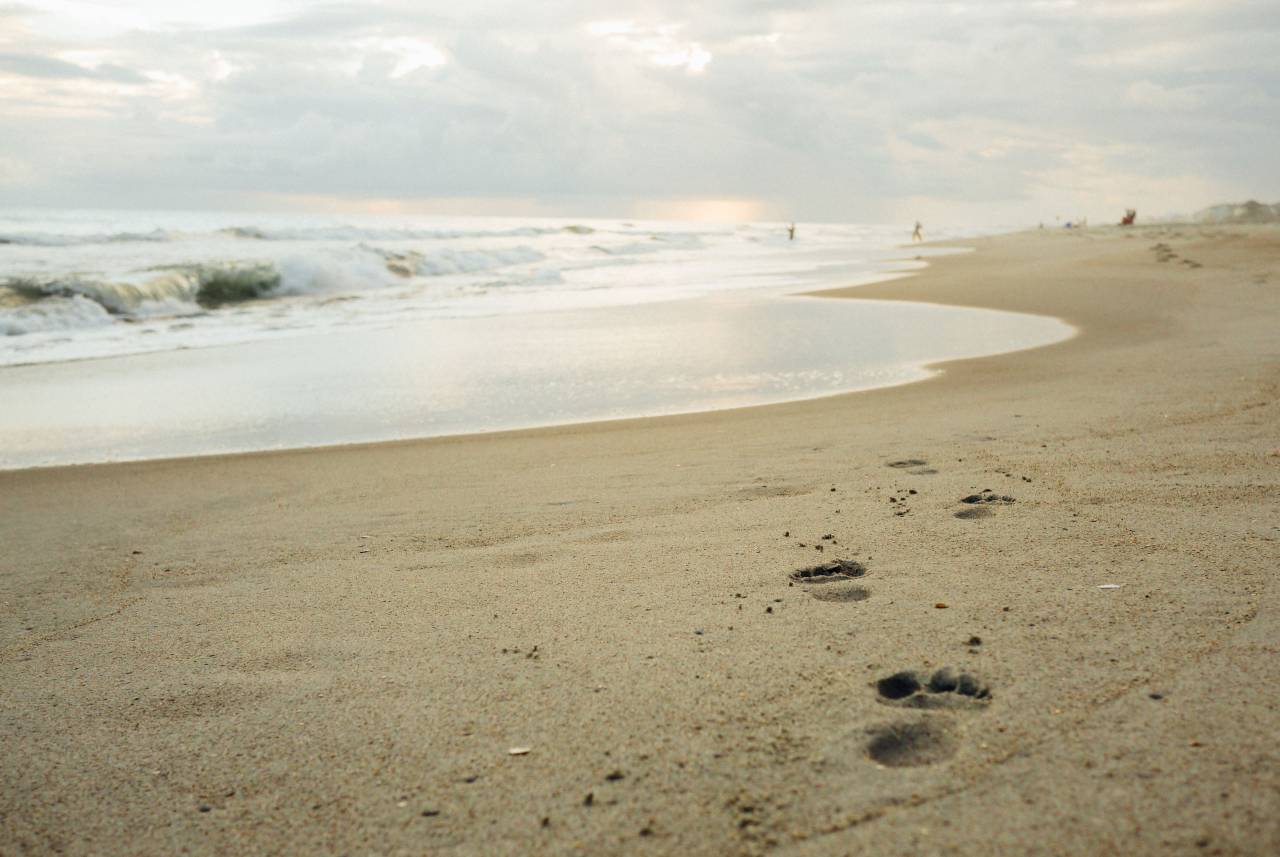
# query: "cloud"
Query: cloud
801,109
1146,94
662,45
35,65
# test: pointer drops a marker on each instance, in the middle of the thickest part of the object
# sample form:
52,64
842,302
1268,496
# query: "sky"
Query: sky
982,112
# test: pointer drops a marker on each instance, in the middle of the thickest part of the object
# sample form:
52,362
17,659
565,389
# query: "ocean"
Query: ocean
137,335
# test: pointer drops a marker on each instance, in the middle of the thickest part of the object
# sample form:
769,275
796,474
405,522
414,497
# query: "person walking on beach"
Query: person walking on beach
916,236
791,232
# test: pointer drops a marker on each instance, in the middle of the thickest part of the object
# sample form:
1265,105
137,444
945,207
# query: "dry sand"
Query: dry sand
332,652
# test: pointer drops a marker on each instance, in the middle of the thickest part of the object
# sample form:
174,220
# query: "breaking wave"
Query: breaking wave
56,313
456,261
31,304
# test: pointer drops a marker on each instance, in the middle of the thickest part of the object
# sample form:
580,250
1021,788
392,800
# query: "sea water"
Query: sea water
133,335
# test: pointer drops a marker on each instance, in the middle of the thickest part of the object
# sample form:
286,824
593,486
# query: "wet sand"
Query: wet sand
335,651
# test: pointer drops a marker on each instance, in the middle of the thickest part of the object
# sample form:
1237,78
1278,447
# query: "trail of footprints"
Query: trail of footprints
931,738
1164,253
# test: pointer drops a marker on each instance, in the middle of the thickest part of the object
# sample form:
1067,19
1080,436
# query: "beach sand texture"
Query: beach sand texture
334,651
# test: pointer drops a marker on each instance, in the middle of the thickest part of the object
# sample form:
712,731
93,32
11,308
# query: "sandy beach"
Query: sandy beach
587,639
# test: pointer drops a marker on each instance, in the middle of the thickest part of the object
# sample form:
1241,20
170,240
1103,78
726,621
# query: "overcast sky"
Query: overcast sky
993,111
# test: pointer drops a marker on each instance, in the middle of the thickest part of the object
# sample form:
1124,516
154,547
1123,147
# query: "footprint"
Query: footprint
830,572
944,689
973,513
830,581
912,744
987,496
914,466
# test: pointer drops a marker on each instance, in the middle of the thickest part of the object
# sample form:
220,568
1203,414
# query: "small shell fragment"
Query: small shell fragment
518,751
1109,586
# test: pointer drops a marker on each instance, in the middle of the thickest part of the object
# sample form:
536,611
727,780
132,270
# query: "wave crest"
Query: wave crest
30,304
455,261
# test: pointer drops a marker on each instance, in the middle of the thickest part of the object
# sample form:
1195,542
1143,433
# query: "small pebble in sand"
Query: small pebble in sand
940,606
975,641
518,751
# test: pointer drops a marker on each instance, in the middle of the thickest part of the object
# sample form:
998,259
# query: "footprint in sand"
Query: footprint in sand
830,581
978,504
933,738
945,689
914,466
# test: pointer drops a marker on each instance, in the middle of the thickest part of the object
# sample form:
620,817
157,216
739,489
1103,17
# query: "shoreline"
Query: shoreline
338,649
121,434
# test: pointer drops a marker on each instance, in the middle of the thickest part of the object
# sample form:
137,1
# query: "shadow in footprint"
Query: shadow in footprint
944,689
909,745
840,593
973,513
830,581
914,466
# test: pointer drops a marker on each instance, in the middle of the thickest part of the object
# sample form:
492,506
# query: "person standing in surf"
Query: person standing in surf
916,236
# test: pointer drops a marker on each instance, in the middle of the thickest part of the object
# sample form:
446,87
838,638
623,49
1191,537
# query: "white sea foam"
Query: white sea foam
336,271
61,313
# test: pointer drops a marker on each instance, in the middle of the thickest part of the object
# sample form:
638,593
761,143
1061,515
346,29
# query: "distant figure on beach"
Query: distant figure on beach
1130,215
916,236
791,232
